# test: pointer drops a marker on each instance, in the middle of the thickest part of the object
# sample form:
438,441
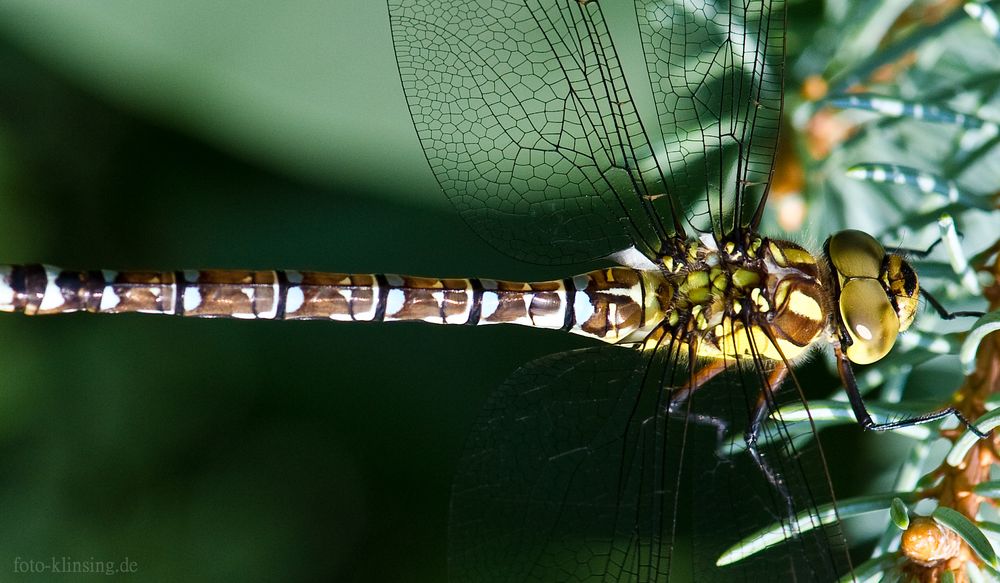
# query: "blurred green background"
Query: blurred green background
247,135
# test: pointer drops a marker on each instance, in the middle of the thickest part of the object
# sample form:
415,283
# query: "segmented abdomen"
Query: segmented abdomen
608,304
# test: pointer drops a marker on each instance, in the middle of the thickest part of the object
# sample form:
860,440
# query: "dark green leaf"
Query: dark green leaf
988,323
989,489
806,521
969,532
899,514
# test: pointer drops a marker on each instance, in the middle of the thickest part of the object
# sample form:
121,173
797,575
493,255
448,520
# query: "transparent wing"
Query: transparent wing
576,472
524,115
716,73
579,470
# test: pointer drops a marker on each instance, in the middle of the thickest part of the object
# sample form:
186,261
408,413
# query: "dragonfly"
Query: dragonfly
602,463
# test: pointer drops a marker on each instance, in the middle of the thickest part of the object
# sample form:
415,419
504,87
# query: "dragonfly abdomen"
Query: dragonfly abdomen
608,304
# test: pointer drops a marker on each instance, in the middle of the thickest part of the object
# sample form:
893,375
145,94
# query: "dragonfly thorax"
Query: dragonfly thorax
764,299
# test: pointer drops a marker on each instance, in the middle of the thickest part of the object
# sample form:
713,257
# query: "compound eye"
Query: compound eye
856,254
870,320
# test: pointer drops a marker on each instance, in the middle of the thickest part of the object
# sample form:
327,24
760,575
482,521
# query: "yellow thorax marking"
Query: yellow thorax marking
779,257
759,299
744,278
799,256
697,279
805,306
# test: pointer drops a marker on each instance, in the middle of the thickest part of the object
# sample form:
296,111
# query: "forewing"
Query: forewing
716,72
523,112
576,472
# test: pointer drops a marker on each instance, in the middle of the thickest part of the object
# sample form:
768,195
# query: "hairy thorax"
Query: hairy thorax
767,300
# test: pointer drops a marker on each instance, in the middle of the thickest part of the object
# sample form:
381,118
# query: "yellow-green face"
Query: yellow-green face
878,294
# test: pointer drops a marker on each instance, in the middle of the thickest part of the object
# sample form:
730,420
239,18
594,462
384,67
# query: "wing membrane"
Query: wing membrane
580,469
716,73
523,112
576,472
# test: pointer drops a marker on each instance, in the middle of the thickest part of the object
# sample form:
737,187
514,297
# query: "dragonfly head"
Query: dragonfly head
878,294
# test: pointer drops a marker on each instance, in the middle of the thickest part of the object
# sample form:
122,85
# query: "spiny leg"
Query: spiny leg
924,253
943,312
764,400
865,419
919,253
697,380
757,416
774,381
938,307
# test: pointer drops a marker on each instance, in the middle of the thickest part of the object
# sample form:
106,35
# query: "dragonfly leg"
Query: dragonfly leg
943,312
919,253
865,419
923,253
764,400
699,379
940,309
774,381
